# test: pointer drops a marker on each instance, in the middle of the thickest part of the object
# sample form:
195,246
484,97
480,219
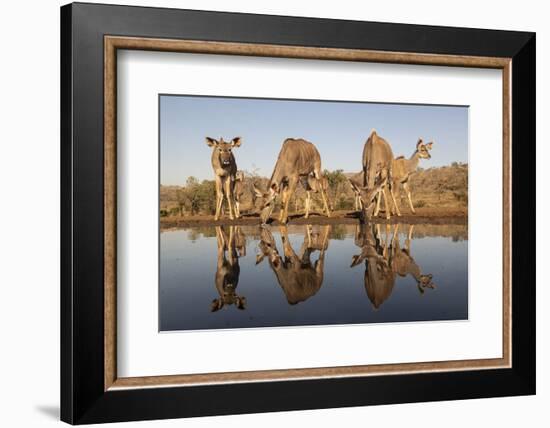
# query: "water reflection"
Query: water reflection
384,258
318,270
298,277
231,246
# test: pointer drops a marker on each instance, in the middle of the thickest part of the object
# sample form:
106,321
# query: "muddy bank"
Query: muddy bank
422,216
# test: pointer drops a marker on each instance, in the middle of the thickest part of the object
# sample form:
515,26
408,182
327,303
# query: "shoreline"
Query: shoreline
439,217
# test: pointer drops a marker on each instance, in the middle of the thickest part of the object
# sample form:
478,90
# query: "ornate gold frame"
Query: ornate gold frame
113,43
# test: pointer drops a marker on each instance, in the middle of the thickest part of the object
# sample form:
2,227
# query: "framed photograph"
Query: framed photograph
266,213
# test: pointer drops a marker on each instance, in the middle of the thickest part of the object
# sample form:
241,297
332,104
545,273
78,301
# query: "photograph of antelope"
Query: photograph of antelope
268,209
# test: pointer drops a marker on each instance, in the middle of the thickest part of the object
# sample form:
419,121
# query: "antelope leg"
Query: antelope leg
394,202
229,196
308,203
377,209
386,203
325,201
290,191
406,187
219,198
284,194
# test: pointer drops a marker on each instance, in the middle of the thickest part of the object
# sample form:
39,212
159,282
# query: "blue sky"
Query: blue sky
338,129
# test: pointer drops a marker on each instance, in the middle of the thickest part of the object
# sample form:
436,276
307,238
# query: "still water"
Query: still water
248,276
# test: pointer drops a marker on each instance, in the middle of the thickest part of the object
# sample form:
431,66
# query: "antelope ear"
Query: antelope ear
429,145
259,258
236,142
210,142
419,143
216,305
241,303
275,187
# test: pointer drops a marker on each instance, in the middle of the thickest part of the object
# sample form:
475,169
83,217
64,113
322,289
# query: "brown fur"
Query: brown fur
225,168
227,270
238,192
297,158
298,277
377,167
403,168
384,261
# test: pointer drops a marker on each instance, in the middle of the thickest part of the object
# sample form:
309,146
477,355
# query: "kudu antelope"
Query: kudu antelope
377,169
238,192
356,183
382,264
228,269
364,197
297,158
314,185
298,277
379,278
403,264
403,168
225,168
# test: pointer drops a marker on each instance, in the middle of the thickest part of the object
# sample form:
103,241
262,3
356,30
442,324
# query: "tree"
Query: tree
335,177
191,194
337,182
181,199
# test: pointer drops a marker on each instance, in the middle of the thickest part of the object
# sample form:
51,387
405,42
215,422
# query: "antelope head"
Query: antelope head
267,248
239,176
267,200
229,298
223,149
423,150
425,281
367,196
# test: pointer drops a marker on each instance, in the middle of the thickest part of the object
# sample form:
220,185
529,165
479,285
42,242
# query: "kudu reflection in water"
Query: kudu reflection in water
384,258
298,277
231,246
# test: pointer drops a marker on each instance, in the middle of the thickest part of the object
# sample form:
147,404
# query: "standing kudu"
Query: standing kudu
298,158
404,168
228,269
298,277
225,168
377,169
